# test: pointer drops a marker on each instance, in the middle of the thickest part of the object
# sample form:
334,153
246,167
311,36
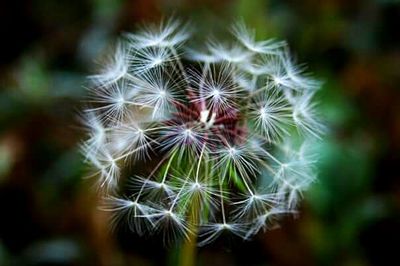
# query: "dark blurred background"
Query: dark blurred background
48,212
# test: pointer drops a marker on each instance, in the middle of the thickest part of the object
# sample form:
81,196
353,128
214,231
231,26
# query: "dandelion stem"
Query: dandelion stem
168,166
222,203
133,151
198,165
188,250
201,85
180,65
148,178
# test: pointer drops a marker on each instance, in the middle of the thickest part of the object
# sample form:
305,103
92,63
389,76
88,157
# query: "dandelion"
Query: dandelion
209,141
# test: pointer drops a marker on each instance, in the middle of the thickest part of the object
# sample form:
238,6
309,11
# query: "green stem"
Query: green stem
188,250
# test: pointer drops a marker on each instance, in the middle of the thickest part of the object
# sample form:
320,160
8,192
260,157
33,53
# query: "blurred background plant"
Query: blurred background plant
350,217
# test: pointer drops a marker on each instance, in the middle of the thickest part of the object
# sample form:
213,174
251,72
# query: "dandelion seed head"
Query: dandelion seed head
216,138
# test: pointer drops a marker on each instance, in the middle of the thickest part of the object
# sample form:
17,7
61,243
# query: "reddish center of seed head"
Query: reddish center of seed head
222,126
